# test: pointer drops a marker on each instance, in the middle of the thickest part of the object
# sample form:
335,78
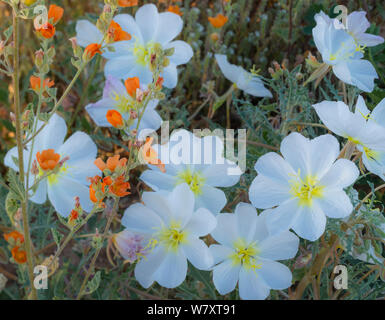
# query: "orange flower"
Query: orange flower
15,235
74,215
92,49
48,159
115,119
175,9
159,82
94,182
116,33
131,85
120,187
35,83
47,30
127,3
150,155
218,21
55,13
112,163
19,256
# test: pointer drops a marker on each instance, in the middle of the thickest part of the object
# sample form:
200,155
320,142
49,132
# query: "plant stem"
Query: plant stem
24,203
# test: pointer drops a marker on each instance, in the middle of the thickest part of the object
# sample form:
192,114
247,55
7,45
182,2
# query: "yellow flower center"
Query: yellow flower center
124,103
245,254
173,236
143,53
53,178
306,189
195,180
371,154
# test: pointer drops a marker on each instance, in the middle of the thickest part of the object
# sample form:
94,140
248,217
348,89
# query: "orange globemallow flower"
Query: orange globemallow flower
175,9
95,181
112,163
150,155
15,235
127,3
120,187
218,21
35,83
92,49
55,13
20,256
115,119
48,159
116,33
74,215
131,85
47,30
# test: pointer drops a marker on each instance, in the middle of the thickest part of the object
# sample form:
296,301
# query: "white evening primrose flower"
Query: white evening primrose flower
356,25
116,97
364,128
199,162
305,185
67,166
149,29
174,229
340,51
242,79
247,254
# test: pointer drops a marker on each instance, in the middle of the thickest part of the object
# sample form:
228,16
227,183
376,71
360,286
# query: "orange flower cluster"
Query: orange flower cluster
115,119
16,239
48,159
132,84
116,33
114,179
36,83
218,21
55,13
150,156
92,49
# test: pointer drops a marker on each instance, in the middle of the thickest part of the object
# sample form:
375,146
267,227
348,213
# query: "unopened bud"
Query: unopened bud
77,202
133,114
12,116
26,115
139,95
74,42
35,168
61,162
107,8
214,36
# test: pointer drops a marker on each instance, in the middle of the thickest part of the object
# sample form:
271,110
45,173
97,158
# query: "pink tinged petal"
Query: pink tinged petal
266,193
279,247
172,272
225,276
220,253
342,174
246,219
335,204
283,217
201,223
197,252
147,266
226,231
310,222
147,19
276,275
138,218
252,287
112,87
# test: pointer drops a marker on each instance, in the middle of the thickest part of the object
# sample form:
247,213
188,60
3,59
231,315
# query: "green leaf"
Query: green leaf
11,205
56,236
94,283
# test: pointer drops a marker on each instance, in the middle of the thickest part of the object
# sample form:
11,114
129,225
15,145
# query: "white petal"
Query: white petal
170,25
63,192
324,151
198,254
147,266
246,219
342,174
225,276
129,25
181,201
158,180
40,196
252,287
274,167
335,204
120,67
211,198
201,223
361,108
230,71
8,161
279,247
276,275
172,272
226,231
139,218
369,40
357,22
220,253
159,204
87,33
170,76
283,217
98,111
52,136
310,223
147,18
78,147
295,148
222,175
378,113
182,54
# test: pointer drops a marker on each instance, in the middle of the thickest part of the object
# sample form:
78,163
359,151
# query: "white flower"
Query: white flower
70,179
174,229
115,97
241,78
340,50
357,24
366,129
131,58
199,163
247,254
306,185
